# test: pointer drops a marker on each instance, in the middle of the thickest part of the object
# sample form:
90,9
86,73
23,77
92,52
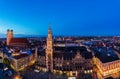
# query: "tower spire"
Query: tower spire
49,51
49,29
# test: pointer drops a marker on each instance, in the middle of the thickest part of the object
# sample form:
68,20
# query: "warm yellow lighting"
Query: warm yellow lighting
85,72
61,72
108,68
17,77
91,71
15,54
88,71
67,63
60,65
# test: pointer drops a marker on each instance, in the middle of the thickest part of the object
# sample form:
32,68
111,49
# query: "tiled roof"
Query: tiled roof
106,55
19,40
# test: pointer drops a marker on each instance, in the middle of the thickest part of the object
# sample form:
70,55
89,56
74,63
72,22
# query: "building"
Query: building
9,36
15,42
107,62
18,42
1,54
23,60
49,51
68,59
18,52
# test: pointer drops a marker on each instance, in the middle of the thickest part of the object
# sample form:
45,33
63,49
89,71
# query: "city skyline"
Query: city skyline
75,18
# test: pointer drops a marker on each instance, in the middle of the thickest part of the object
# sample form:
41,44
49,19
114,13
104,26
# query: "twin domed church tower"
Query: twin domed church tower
49,47
9,36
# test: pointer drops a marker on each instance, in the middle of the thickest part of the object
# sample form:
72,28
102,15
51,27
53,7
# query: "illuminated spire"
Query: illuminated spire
49,29
49,51
49,32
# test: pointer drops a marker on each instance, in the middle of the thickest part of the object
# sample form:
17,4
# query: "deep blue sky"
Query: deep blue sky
67,17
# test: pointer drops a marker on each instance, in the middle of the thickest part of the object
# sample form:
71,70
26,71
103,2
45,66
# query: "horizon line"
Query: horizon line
27,35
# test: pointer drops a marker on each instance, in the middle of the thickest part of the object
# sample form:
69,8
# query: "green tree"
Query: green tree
0,59
6,61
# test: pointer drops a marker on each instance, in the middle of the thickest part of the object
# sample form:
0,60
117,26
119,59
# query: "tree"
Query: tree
0,59
6,61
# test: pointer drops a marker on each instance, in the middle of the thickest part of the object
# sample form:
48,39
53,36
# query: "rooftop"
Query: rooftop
68,52
20,56
19,40
106,54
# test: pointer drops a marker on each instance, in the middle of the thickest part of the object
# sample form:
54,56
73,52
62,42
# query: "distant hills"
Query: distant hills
28,36
20,35
2,35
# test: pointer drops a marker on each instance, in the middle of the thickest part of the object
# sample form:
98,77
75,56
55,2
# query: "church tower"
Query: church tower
49,51
9,36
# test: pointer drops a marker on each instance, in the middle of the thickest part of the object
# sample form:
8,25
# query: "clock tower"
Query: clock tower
49,51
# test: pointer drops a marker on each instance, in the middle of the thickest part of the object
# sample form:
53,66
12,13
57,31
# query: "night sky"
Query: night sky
67,17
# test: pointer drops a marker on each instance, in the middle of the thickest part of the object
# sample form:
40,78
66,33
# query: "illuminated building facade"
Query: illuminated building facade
107,62
108,68
71,60
18,54
21,61
49,51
